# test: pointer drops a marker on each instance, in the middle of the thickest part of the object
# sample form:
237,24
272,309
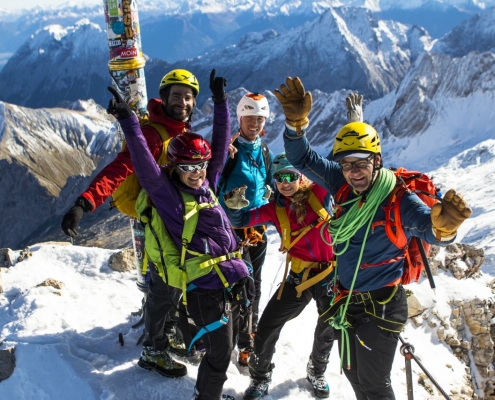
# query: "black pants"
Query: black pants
204,307
273,319
255,257
160,308
372,349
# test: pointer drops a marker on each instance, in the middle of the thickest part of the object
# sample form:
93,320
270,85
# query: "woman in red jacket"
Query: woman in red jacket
297,211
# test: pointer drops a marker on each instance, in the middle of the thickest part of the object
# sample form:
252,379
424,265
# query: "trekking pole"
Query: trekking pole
427,264
408,358
407,350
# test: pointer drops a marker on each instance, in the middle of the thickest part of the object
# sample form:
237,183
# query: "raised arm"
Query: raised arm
146,168
220,140
297,103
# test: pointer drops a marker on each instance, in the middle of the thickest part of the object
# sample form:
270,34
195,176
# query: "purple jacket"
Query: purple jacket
214,234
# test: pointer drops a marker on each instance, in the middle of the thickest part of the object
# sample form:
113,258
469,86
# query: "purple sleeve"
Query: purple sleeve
146,168
219,143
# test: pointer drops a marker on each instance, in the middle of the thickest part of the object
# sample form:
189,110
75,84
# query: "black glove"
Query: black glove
117,106
216,87
73,216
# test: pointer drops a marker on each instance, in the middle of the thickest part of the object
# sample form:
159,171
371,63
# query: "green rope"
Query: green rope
342,230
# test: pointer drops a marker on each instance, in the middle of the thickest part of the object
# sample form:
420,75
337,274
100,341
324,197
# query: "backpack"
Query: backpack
124,197
170,261
232,162
425,189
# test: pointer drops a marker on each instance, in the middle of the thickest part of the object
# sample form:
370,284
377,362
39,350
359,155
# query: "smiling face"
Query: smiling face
252,126
360,179
192,179
180,102
286,188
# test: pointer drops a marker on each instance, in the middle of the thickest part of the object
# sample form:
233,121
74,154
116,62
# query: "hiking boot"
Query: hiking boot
257,389
319,382
177,345
161,362
197,396
243,358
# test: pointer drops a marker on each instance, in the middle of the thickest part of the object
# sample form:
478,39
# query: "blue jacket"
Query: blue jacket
381,263
214,233
247,173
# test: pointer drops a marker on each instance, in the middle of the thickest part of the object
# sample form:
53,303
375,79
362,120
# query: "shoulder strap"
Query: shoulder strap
160,129
317,207
191,210
284,222
165,136
393,222
268,162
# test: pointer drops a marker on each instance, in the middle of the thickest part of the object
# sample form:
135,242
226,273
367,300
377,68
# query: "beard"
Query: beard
179,114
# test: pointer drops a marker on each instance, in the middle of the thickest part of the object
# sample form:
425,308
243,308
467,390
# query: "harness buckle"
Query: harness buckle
360,298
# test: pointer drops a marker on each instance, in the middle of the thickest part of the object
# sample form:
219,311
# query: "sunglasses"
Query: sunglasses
193,167
290,177
361,164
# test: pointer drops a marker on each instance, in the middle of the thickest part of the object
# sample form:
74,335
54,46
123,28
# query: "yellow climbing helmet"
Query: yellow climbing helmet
180,77
356,139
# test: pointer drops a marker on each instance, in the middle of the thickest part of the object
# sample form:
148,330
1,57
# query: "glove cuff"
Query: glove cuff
297,125
219,99
443,236
84,203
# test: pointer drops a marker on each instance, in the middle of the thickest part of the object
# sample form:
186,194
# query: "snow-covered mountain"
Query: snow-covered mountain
344,48
58,64
475,34
47,157
360,53
442,103
216,24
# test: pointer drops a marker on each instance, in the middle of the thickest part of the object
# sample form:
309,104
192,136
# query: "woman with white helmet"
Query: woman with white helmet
249,163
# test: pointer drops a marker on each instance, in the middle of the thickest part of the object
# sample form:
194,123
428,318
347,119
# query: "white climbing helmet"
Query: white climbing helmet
253,104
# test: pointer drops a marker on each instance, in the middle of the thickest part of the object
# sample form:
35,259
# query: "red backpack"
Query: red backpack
425,189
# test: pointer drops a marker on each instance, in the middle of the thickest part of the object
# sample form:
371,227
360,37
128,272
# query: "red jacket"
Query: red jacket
111,176
311,247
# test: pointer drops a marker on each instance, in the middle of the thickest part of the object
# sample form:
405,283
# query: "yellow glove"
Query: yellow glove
296,103
448,215
236,198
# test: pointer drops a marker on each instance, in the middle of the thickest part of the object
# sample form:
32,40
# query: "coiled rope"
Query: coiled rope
343,229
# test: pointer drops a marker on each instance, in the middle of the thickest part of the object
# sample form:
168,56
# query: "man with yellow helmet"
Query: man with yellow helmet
370,307
169,116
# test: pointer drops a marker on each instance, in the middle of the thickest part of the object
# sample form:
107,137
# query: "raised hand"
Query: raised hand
354,105
236,199
296,102
117,106
232,148
217,85
448,215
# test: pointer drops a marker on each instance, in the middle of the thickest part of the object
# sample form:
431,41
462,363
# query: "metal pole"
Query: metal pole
407,350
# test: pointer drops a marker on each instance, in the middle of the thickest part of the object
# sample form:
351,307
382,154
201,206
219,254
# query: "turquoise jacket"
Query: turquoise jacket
249,170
